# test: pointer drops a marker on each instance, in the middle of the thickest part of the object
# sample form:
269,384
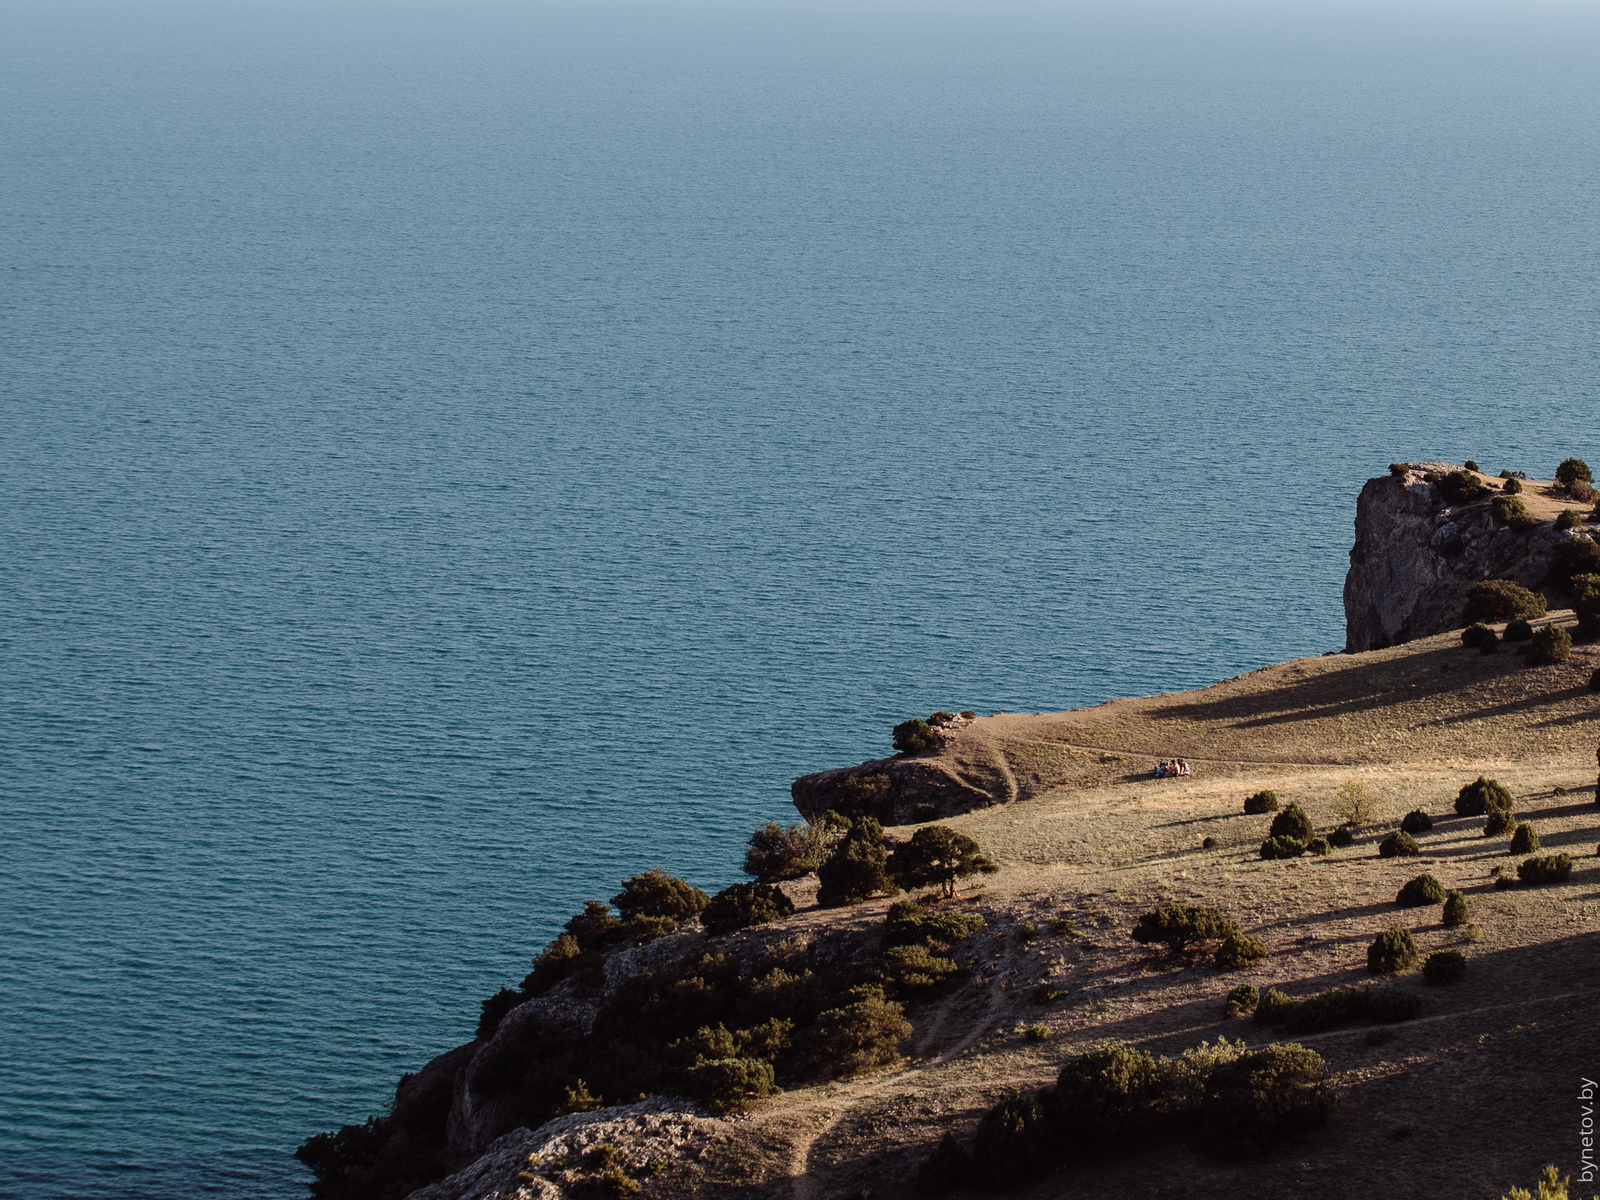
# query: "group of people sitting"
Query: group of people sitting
1172,768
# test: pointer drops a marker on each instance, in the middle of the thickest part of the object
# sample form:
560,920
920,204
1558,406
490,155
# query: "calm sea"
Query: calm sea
452,458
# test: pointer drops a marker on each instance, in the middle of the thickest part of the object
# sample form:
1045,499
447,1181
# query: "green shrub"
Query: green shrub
1282,847
1420,892
1047,993
1518,631
863,796
862,1035
1239,950
1499,822
1320,846
1327,1010
858,868
1026,932
938,856
1489,644
914,736
1504,884
1252,1103
1208,843
1181,926
777,853
1392,951
1571,558
1261,802
1552,868
906,972
1014,1143
924,812
1551,644
743,905
1512,486
947,1169
1106,1096
494,1010
1399,470
1392,1005
1474,634
1470,465
1416,821
730,1083
1292,822
940,718
1444,966
1399,845
1243,998
1455,909
1570,518
1524,839
1273,1007
1037,1033
969,714
1496,600
1381,1035
657,894
1573,470
1460,487
1510,510
908,924
1478,797
1552,1185
1594,680
1342,837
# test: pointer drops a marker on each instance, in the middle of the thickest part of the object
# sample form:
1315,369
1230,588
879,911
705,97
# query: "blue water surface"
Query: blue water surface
454,457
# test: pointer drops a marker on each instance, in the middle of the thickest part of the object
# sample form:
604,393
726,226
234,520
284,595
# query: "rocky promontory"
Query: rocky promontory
1418,548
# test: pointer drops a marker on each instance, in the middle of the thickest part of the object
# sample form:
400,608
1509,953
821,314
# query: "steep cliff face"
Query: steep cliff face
1415,555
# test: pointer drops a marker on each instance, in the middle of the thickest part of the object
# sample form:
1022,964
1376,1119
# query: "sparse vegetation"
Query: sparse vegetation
1552,1185
1416,821
1399,844
1037,1033
1358,803
1496,600
1552,868
1392,951
1444,966
1261,802
1420,892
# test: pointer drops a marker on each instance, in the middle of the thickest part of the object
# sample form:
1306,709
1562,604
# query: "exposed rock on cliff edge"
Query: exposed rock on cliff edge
1415,554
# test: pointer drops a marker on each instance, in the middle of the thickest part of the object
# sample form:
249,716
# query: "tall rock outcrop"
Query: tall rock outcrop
1415,555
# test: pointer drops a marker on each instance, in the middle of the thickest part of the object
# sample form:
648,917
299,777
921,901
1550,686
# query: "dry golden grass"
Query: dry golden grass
1485,1081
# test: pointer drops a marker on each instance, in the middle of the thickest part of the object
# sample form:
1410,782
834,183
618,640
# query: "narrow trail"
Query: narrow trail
1235,762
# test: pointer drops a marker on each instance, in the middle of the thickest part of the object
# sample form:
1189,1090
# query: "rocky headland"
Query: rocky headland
962,1004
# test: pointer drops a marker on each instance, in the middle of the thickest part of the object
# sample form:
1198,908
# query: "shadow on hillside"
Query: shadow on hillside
1374,684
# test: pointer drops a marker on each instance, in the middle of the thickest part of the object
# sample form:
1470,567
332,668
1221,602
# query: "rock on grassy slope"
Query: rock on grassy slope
1475,1095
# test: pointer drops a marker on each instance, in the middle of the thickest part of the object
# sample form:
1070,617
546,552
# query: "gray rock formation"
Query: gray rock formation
1415,556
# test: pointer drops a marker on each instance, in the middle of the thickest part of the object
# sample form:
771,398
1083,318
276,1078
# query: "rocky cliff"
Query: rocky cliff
1416,554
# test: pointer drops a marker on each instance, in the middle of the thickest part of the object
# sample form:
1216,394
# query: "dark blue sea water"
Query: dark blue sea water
452,458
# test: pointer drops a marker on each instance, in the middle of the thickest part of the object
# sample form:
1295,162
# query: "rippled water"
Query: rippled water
452,459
